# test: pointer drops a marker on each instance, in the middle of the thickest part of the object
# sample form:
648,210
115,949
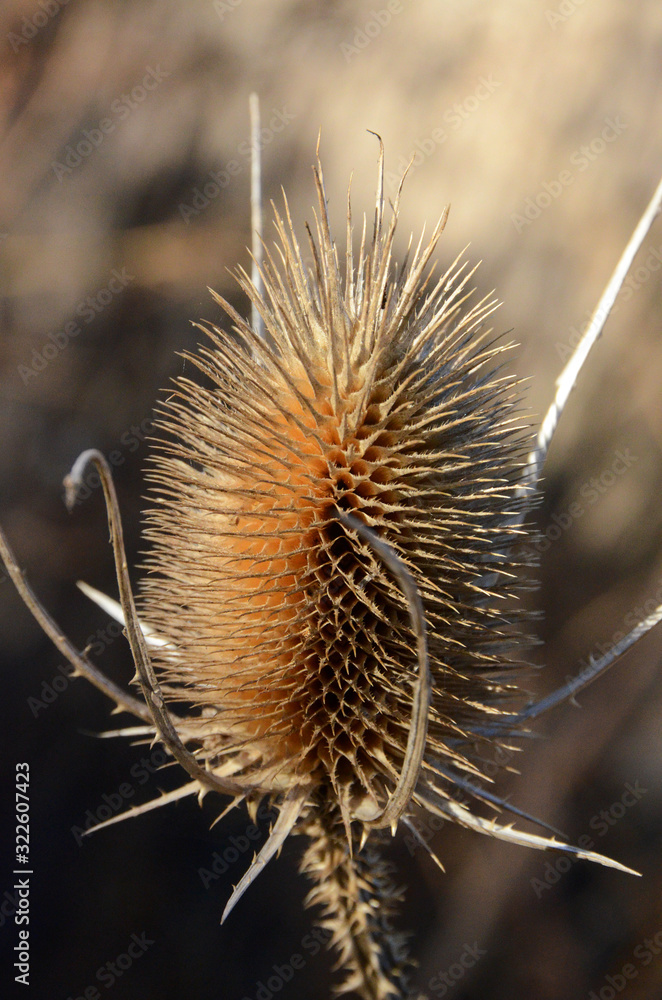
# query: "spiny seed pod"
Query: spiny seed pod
374,396
377,398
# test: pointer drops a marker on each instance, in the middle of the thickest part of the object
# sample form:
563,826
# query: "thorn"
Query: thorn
289,813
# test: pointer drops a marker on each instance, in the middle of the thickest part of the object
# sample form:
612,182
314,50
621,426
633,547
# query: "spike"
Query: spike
453,810
290,811
163,800
114,609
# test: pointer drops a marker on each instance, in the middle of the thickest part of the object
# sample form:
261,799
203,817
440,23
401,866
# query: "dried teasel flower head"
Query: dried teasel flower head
372,400
365,447
334,541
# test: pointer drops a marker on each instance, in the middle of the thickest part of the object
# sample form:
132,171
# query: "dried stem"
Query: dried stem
79,661
418,727
594,670
359,902
536,460
144,669
568,377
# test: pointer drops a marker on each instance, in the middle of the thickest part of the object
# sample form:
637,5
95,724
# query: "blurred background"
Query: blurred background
124,193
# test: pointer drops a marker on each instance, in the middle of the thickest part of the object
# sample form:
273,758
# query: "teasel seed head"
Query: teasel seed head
371,420
374,395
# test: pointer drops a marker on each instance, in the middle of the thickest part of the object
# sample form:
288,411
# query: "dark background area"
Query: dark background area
516,90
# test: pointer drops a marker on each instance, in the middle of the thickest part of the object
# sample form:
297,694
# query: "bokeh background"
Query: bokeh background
114,117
